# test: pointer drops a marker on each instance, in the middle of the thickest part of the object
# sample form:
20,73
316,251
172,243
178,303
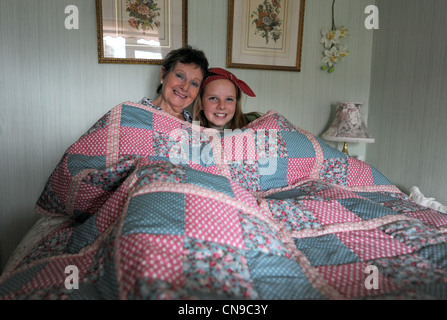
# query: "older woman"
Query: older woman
181,77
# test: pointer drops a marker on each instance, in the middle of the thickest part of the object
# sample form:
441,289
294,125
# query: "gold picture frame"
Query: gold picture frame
265,34
137,32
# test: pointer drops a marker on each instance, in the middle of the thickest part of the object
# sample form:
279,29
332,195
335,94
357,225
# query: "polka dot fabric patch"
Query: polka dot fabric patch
359,173
156,213
211,220
136,141
151,257
93,144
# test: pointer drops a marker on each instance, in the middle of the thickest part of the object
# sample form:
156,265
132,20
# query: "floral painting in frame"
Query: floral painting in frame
140,31
265,34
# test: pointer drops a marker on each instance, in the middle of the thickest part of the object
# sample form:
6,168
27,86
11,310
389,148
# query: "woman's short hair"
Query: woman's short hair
186,55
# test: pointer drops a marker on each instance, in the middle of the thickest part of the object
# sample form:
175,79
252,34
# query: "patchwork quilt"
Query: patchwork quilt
164,209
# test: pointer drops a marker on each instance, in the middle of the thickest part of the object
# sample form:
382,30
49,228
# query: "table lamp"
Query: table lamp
348,125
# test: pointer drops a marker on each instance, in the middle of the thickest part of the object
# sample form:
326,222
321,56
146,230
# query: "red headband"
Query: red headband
218,73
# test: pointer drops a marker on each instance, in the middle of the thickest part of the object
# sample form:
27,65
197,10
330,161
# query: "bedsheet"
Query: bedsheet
162,209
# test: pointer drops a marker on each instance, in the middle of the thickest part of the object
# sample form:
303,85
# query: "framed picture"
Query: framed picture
140,31
265,34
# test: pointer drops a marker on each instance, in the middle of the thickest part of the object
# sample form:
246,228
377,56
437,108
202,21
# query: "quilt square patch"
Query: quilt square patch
93,144
217,269
238,145
209,181
335,170
326,250
270,144
166,123
109,178
211,220
155,257
273,173
134,117
265,123
414,234
14,285
293,215
330,212
78,162
436,253
383,246
54,243
401,206
430,217
298,169
315,186
156,213
260,237
135,141
160,172
298,145
280,278
244,195
359,173
350,279
202,155
246,173
50,278
409,271
167,148
365,209
49,200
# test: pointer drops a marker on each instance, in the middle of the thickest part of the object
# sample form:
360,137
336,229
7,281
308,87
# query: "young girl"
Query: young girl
219,106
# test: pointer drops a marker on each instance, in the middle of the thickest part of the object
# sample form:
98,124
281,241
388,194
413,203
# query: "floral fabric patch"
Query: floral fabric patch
217,269
259,236
335,170
293,215
270,144
175,147
109,178
101,123
165,172
246,173
283,123
414,234
403,206
409,270
53,244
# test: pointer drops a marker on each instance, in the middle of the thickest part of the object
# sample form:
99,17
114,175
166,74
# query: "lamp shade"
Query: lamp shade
348,125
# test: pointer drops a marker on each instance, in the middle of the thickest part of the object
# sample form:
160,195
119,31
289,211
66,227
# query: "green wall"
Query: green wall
407,107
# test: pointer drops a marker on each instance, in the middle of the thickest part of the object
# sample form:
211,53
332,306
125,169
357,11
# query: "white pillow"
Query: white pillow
417,196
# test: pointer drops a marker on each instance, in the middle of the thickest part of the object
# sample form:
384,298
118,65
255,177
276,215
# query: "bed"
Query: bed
145,206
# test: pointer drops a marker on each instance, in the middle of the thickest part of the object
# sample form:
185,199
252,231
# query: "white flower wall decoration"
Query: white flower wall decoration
334,50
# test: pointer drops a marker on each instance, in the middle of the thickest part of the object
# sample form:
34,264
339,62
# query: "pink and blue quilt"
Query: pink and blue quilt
165,209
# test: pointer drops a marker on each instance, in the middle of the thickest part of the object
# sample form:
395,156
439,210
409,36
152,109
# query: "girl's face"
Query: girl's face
219,103
180,87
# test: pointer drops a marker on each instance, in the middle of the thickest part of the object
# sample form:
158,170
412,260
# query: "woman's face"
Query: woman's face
180,87
219,103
